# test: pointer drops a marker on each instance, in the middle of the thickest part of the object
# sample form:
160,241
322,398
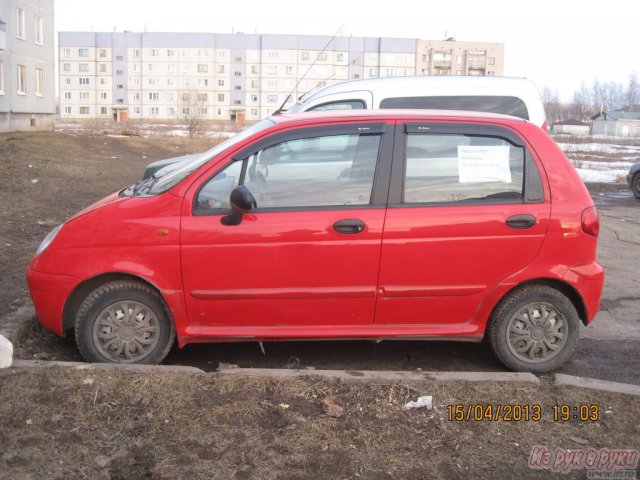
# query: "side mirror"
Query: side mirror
241,200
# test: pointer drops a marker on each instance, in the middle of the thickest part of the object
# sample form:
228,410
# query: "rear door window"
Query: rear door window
506,105
459,168
341,105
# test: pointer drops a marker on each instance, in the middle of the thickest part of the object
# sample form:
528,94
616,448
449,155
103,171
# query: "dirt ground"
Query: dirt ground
74,424
118,425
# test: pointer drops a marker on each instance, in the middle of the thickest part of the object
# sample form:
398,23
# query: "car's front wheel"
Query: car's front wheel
635,185
124,321
534,329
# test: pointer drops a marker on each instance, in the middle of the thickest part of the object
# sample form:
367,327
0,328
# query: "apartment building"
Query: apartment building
27,74
237,77
448,57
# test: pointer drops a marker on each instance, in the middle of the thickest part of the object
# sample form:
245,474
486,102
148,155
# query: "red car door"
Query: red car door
308,255
466,209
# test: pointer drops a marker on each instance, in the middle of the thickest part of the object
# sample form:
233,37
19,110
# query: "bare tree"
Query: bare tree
633,93
193,109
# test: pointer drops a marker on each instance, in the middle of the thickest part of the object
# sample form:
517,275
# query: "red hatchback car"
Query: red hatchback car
375,225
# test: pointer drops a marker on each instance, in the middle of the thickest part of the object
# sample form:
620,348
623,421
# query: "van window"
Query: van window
475,103
341,105
460,168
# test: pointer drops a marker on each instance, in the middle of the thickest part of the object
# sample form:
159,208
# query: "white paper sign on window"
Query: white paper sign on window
483,164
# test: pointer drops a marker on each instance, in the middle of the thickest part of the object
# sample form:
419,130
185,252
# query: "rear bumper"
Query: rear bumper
49,292
588,278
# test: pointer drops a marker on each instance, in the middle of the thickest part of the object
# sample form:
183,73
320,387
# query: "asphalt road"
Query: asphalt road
608,349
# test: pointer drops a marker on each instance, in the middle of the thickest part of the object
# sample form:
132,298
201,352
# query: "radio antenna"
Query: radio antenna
279,110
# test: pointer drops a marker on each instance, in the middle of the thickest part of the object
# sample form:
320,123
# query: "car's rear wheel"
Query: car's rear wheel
635,185
124,321
534,329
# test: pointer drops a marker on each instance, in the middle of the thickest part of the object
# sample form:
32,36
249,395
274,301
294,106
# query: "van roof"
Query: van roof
459,83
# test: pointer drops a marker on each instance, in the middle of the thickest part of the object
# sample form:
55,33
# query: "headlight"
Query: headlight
48,239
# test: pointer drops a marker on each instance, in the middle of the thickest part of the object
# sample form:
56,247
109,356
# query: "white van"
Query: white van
518,97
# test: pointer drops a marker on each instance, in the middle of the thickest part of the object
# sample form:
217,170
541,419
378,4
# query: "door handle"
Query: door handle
521,221
349,226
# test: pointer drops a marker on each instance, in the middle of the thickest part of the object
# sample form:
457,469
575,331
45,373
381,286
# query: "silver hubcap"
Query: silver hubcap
126,332
537,332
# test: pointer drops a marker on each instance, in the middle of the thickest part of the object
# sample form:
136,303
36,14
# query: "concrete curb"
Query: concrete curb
16,325
595,384
366,376
106,366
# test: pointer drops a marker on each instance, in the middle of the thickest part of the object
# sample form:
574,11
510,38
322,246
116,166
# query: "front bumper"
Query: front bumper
49,293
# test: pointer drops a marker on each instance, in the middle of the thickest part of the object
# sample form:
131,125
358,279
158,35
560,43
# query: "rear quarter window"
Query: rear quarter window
505,105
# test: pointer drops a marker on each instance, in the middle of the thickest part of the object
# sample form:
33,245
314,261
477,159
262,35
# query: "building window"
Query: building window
154,110
171,68
237,59
120,86
356,76
272,98
67,95
103,81
203,68
490,73
237,74
304,56
153,81
67,80
203,53
203,111
136,110
120,100
322,57
154,96
103,95
171,97
185,110
135,82
39,82
221,83
272,69
203,97
492,60
136,53
152,67
220,68
66,52
254,111
84,95
219,111
102,53
185,82
237,87
221,97
22,79
185,52
171,52
1,78
186,67
171,111
171,82
67,110
66,67
254,69
20,26
154,52
83,80
254,98
39,30
103,68
273,54
119,58
373,72
83,52
203,82
254,84
339,57
84,110
103,110
237,102
222,54
83,67
289,70
272,84
135,96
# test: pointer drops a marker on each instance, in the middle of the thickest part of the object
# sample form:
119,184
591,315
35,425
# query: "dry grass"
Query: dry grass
74,424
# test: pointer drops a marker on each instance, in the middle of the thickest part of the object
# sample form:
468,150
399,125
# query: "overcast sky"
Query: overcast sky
555,43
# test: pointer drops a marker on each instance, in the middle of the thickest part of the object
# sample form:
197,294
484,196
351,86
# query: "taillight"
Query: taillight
591,221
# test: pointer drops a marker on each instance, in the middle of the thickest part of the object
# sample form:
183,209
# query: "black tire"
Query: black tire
534,329
635,185
124,321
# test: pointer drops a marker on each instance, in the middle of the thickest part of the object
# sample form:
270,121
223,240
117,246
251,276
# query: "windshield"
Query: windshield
171,179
